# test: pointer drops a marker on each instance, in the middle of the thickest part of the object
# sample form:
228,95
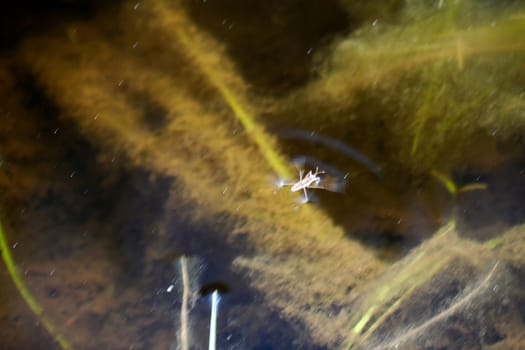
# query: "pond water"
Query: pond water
141,144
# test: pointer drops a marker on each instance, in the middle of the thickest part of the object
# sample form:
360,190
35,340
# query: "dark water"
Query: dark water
98,238
106,220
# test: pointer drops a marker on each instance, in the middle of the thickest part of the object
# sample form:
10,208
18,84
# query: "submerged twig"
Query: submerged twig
184,333
213,320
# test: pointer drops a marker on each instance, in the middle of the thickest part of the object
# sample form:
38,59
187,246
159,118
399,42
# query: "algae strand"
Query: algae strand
254,130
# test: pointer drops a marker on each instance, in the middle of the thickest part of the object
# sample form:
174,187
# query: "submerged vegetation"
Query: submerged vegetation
443,83
414,87
446,293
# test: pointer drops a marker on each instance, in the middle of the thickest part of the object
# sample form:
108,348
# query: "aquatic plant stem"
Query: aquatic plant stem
213,320
26,294
254,131
454,190
184,334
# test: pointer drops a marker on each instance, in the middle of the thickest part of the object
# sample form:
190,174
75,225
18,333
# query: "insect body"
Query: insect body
308,181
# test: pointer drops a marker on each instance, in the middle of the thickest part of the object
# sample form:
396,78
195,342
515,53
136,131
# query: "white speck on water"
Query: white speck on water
72,174
52,272
374,23
170,288
137,5
120,83
227,22
56,131
309,51
15,244
95,117
225,190
135,44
